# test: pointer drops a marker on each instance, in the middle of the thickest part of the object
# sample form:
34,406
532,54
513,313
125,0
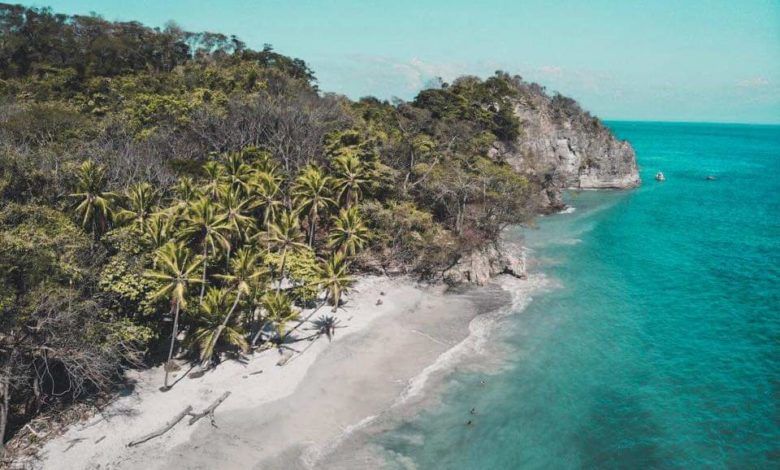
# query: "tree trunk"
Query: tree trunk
209,411
166,427
174,333
205,266
5,389
221,327
281,270
259,332
409,172
267,214
312,228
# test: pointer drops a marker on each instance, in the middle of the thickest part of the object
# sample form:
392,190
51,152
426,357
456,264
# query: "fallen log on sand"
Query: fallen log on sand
208,411
167,427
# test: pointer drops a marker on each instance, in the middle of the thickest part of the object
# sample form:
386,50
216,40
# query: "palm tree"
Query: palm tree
245,273
279,310
349,233
285,235
158,229
94,207
176,273
140,201
258,159
206,228
332,276
352,177
269,195
237,173
214,178
237,210
213,324
311,196
185,191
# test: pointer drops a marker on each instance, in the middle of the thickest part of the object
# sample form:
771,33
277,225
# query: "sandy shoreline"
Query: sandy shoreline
295,416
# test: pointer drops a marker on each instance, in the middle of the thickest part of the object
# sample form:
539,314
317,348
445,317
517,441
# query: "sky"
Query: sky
682,60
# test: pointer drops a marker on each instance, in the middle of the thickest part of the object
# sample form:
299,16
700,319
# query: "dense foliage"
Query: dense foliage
159,185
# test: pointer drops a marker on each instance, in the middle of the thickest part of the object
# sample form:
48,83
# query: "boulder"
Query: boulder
479,266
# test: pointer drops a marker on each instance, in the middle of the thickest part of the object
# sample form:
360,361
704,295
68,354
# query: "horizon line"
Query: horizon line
659,121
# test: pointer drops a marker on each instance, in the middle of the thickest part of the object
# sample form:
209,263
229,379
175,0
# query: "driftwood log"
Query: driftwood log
167,427
208,411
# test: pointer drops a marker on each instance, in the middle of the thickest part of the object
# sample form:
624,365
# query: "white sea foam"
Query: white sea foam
480,330
311,455
568,210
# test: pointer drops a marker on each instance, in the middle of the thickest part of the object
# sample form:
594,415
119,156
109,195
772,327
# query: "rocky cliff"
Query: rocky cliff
564,147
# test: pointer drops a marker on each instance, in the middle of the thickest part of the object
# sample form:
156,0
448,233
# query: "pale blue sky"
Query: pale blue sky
678,60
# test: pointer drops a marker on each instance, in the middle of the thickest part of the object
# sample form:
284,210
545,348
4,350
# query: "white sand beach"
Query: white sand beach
287,416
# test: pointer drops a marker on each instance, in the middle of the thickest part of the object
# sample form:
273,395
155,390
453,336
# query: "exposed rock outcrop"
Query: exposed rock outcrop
562,147
480,265
565,147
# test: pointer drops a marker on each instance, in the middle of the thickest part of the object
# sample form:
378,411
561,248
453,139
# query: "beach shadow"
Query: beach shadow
179,379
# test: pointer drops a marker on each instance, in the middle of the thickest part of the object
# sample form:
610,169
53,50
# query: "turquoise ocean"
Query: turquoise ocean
659,344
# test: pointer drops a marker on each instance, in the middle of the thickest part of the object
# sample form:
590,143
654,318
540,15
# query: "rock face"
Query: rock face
479,266
565,147
561,146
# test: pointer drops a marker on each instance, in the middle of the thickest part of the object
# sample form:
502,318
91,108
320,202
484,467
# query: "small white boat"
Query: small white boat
660,176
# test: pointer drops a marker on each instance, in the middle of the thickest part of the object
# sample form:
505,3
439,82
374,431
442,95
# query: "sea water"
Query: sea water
659,347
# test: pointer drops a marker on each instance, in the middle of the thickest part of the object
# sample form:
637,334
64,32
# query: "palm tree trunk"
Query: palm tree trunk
259,332
235,303
266,211
205,266
174,333
94,237
281,270
312,228
221,327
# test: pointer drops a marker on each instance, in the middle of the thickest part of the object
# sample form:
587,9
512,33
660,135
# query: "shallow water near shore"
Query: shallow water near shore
659,347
